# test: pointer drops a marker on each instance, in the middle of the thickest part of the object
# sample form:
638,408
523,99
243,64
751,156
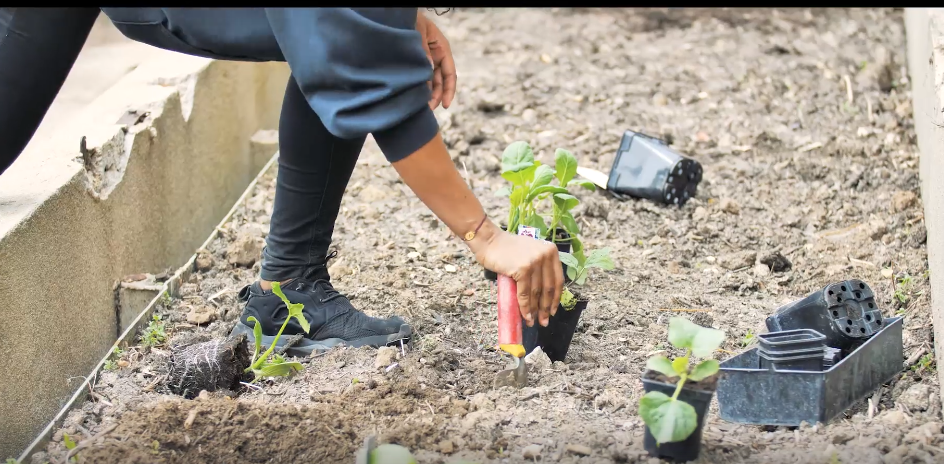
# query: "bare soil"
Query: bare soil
803,122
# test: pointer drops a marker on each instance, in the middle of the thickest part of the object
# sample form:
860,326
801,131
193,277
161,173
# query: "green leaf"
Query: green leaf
581,276
662,365
571,272
568,259
516,157
257,334
517,178
704,369
565,201
542,176
537,222
566,165
686,334
277,369
68,441
570,224
568,301
583,183
503,192
575,244
294,309
389,453
668,420
680,365
535,191
517,196
600,259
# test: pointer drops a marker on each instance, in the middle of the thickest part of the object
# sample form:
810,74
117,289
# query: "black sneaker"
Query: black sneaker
334,321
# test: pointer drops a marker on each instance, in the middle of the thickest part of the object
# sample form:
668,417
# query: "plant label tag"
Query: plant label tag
528,231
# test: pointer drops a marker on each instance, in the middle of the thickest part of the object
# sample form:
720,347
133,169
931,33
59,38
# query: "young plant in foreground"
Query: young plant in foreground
530,181
668,418
566,169
277,366
154,334
578,267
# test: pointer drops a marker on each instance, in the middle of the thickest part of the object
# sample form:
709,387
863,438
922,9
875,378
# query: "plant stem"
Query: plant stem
678,386
258,362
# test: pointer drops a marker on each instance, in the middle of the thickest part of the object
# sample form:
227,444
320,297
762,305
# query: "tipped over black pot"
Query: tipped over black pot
563,245
696,394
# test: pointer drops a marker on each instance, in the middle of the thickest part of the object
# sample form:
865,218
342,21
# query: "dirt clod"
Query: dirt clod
204,261
729,206
737,260
244,251
579,450
386,355
903,200
776,262
201,315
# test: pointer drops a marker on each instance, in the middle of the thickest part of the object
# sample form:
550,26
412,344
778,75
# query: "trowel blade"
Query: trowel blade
597,177
516,376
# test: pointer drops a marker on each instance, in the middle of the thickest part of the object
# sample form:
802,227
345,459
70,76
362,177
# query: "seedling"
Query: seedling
112,362
668,418
277,366
578,268
926,363
154,334
70,445
748,338
531,183
566,165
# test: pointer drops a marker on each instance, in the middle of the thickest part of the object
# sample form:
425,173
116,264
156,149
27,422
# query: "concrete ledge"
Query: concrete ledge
168,149
925,34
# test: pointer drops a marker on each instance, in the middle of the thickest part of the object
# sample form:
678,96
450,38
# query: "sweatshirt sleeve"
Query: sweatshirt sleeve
362,70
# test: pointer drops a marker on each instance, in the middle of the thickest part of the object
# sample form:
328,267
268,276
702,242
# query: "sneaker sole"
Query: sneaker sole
305,347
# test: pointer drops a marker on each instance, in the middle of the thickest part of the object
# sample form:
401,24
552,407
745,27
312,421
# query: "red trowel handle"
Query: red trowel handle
509,317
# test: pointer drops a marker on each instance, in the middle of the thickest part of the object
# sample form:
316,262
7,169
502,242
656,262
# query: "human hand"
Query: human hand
534,264
443,84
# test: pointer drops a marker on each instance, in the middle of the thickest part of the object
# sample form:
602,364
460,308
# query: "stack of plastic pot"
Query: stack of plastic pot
823,353
798,350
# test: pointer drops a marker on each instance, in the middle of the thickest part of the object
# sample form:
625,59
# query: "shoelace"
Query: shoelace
325,285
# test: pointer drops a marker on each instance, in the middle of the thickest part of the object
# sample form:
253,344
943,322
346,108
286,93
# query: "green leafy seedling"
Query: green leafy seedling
70,445
578,268
530,180
261,365
566,169
11,461
748,338
668,418
155,333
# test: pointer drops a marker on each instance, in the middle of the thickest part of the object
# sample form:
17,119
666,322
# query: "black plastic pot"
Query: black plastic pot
845,312
554,339
563,245
645,167
688,449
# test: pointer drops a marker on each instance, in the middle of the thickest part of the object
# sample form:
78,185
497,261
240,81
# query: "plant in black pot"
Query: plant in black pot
677,395
531,183
555,339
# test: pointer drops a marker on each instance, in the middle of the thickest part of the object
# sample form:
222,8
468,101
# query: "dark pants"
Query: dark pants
38,47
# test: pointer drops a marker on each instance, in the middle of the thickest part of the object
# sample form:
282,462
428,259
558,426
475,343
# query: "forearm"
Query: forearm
432,176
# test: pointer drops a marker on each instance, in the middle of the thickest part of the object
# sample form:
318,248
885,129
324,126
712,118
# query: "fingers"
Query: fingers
547,297
448,70
558,280
437,89
537,294
524,298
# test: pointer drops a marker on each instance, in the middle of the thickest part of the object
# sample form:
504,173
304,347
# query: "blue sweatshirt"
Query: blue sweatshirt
362,70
